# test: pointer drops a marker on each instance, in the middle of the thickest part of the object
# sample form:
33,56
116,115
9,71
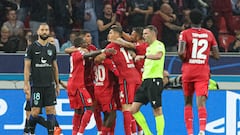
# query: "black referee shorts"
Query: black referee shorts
150,91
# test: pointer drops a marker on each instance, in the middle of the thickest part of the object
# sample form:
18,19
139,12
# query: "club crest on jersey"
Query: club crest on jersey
49,52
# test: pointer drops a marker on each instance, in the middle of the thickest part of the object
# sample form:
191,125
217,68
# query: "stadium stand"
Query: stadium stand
225,39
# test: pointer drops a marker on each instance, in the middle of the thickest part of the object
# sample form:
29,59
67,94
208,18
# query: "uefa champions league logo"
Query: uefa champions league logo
228,124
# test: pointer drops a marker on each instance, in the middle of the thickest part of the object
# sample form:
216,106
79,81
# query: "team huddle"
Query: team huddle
124,75
104,81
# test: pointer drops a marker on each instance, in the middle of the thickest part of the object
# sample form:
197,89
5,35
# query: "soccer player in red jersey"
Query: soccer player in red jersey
140,48
137,43
194,48
78,94
89,74
129,78
103,90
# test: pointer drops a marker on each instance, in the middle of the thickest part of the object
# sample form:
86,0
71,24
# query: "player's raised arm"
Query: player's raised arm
124,43
95,53
70,49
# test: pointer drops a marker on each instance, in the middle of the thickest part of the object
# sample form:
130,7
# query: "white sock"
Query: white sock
99,132
140,132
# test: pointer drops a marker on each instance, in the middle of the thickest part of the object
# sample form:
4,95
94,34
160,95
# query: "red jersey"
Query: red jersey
76,77
89,74
104,77
198,41
140,50
91,47
124,64
104,85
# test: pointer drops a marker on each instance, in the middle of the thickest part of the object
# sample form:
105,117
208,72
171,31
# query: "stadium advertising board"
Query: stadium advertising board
223,114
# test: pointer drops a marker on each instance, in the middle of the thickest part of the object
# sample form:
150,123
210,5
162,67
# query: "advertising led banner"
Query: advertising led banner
227,65
223,114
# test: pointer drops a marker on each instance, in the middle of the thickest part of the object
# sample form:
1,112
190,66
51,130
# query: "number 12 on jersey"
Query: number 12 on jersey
199,47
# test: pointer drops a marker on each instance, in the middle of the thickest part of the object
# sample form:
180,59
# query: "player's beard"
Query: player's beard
44,37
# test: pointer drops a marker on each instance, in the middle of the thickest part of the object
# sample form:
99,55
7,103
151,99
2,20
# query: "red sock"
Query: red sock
76,123
85,120
127,116
139,127
74,132
98,119
105,130
133,125
202,115
188,116
113,127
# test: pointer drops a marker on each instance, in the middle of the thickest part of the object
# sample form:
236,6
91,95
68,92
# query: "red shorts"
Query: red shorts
116,97
127,93
201,88
80,99
90,89
105,100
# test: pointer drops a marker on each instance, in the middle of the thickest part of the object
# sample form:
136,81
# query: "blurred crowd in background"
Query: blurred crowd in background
19,20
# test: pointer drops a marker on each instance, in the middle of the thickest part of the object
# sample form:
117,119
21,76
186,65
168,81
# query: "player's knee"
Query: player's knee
50,110
135,107
35,111
89,108
79,111
157,111
112,115
34,114
133,110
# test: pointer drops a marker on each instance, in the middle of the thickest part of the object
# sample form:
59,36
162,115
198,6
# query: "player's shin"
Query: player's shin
32,124
85,120
160,123
139,128
26,127
127,122
113,127
188,116
105,130
133,126
142,122
42,121
98,119
76,123
51,118
202,115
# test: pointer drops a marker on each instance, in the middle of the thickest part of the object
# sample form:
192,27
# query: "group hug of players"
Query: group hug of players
105,80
